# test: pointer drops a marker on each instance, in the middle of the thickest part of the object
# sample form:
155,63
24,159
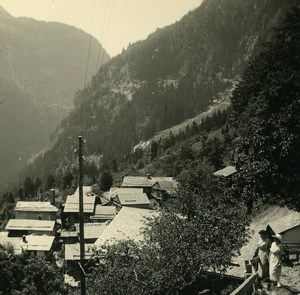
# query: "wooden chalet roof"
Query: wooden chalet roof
33,243
72,251
72,203
38,243
35,206
285,223
104,212
137,181
166,183
127,225
30,224
132,196
87,191
92,230
225,172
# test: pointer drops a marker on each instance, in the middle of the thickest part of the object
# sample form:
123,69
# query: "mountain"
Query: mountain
173,75
42,65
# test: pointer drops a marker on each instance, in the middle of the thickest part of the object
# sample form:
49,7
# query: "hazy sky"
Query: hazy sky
115,23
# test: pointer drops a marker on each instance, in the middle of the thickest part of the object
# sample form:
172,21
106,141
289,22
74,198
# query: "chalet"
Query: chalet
71,207
72,252
132,197
92,231
21,227
157,186
127,225
288,227
38,245
68,236
35,210
226,172
103,213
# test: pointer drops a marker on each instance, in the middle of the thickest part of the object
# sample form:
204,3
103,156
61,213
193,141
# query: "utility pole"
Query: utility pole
81,223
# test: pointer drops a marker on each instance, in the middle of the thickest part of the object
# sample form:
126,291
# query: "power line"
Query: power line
89,50
109,20
102,36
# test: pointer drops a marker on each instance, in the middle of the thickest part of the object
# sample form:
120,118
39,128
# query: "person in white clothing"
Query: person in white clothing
275,260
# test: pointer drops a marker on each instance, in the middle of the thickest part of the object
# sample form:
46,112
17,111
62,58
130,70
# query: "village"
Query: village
51,228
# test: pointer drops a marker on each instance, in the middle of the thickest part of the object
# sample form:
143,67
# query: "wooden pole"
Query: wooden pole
81,218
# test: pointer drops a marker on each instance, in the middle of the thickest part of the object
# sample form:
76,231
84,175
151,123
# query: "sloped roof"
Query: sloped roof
30,224
112,192
137,181
92,230
225,172
104,201
35,206
132,196
68,233
127,225
87,191
38,243
33,243
104,212
72,203
72,251
285,223
166,183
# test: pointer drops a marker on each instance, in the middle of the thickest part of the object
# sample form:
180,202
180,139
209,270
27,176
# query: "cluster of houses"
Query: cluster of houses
33,229
43,229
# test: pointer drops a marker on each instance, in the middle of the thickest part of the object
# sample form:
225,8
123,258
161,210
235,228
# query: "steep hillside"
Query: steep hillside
173,75
42,66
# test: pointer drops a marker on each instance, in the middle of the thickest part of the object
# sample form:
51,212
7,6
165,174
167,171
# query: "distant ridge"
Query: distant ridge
177,73
43,65
4,13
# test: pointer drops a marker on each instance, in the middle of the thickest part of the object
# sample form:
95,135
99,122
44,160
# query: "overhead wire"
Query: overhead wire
102,36
89,50
87,67
108,27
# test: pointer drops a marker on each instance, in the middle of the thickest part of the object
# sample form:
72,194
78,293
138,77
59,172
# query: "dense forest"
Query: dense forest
173,75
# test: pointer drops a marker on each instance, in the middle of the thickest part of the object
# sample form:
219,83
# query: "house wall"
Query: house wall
35,215
292,235
141,206
74,217
21,233
40,233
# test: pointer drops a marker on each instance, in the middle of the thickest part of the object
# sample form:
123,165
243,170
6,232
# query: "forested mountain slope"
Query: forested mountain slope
173,75
42,65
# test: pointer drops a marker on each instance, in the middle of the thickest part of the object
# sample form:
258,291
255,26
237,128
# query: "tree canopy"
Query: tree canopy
266,111
188,243
27,275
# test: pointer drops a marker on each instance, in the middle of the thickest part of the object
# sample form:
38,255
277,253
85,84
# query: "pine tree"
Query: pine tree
266,111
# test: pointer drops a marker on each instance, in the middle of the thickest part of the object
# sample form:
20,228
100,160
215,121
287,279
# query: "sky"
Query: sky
115,23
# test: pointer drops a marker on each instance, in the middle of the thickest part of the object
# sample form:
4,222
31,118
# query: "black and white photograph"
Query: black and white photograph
149,147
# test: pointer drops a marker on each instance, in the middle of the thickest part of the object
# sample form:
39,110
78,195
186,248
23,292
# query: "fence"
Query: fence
249,285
